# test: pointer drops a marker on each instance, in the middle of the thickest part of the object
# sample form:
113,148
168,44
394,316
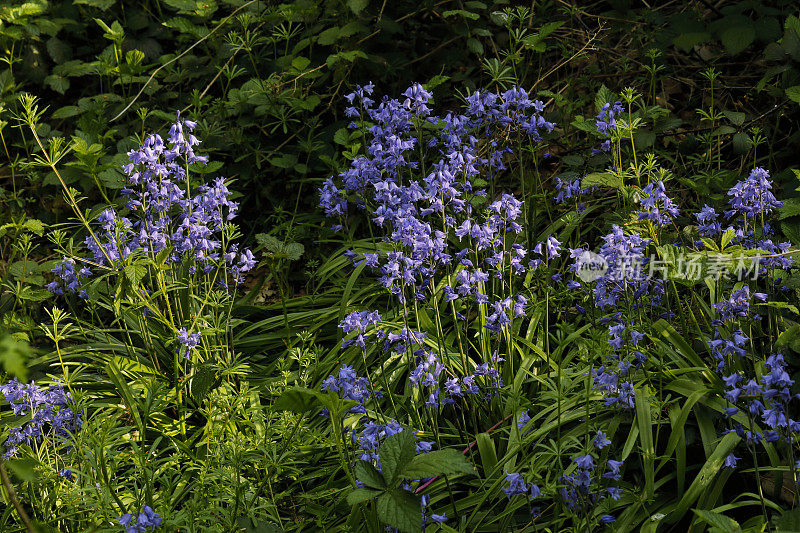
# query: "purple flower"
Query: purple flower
516,485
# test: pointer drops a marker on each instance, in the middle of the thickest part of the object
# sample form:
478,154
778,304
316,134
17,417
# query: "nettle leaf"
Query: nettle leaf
67,111
14,355
438,463
602,179
328,36
202,380
736,38
297,400
102,5
58,83
790,208
461,13
604,96
735,117
134,273
794,93
369,475
396,453
357,6
401,509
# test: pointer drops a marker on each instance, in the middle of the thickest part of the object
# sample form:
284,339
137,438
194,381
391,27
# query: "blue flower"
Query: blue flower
516,485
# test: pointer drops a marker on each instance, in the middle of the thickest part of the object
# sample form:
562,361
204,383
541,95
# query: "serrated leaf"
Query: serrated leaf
202,380
794,93
357,6
735,117
294,250
396,453
367,474
460,12
328,36
134,273
790,208
67,111
342,136
687,41
102,5
59,84
736,38
604,96
297,400
438,463
602,179
475,45
789,521
401,509
14,355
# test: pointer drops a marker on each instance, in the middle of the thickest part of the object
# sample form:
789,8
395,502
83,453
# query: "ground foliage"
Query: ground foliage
376,341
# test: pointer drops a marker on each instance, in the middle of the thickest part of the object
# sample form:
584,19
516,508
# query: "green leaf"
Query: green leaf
705,476
401,509
475,45
719,521
645,424
793,93
58,83
369,475
460,13
67,111
135,273
438,463
328,36
736,38
357,6
14,355
604,96
789,522
487,452
361,495
24,468
297,400
102,5
342,136
687,41
202,380
727,237
602,179
396,453
735,117
789,338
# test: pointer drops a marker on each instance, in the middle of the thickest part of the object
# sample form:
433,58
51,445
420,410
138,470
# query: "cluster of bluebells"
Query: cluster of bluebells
49,410
70,276
147,518
445,388
420,217
656,205
587,485
614,378
164,216
751,202
418,180
584,488
606,119
763,398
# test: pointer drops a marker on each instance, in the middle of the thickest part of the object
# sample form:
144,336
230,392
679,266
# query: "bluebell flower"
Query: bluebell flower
516,485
